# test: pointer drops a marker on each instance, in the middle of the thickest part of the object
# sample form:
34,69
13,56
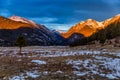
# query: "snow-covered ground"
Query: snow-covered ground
69,53
19,77
82,62
50,53
97,66
38,62
23,76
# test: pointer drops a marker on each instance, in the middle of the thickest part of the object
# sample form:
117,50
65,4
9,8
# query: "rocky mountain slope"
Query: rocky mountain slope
35,34
91,30
20,19
108,33
85,28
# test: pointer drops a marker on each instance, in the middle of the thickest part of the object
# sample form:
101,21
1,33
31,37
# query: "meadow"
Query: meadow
60,63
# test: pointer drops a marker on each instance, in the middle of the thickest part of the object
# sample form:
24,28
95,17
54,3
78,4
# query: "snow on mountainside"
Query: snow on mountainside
86,28
24,20
111,20
17,18
90,26
60,31
6,23
35,34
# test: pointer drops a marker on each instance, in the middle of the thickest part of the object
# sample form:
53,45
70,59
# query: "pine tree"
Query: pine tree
21,42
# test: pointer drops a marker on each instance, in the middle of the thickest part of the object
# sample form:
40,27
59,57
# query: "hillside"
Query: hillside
110,30
6,23
85,28
35,34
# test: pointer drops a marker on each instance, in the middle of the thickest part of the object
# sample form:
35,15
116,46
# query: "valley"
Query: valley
59,40
89,50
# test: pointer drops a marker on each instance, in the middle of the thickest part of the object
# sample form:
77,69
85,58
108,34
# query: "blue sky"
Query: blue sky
60,14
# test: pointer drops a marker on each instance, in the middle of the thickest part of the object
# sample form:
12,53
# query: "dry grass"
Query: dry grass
13,65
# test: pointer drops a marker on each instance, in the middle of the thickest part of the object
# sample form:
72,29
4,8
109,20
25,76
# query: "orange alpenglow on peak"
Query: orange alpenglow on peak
115,19
90,26
21,19
6,23
85,28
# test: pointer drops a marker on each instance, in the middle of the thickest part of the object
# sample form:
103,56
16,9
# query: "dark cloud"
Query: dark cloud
60,11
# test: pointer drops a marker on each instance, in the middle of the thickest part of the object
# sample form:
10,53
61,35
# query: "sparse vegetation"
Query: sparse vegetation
58,63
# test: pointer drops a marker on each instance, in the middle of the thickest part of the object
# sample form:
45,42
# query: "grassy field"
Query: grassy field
60,63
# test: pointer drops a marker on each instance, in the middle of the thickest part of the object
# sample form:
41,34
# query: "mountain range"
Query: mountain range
36,34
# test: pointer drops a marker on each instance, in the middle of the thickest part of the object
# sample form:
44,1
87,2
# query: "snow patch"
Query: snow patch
80,73
69,53
39,62
33,74
20,77
57,72
98,66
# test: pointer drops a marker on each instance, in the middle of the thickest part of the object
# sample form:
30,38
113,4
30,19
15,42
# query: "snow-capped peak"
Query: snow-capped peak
91,22
89,19
100,24
82,22
17,18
